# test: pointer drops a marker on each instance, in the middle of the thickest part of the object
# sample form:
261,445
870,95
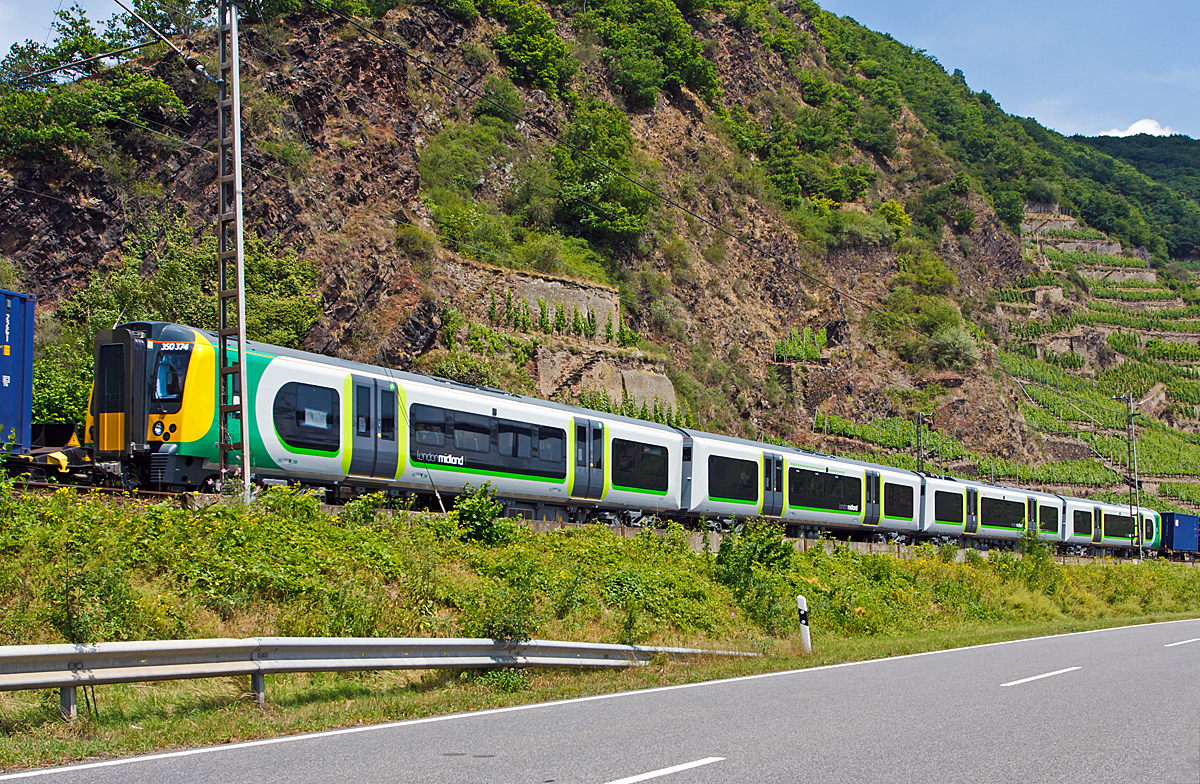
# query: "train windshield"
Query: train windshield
169,376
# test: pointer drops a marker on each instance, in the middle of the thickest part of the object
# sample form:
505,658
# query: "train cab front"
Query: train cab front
151,407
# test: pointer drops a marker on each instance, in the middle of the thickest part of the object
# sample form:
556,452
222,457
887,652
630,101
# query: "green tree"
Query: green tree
596,200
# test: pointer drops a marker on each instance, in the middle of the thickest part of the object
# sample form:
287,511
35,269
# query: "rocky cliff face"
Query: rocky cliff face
335,129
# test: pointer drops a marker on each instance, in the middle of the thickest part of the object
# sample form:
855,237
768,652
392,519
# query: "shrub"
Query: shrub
651,46
926,273
595,201
531,47
38,125
759,544
478,516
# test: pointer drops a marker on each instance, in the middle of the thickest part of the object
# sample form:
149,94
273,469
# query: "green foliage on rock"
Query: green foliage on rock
650,46
518,229
597,200
44,121
531,47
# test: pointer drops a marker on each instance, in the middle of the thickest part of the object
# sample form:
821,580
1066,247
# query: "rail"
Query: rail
68,666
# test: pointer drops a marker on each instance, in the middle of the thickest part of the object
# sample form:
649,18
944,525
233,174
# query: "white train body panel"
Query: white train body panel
943,515
843,500
901,496
726,479
445,465
648,438
1049,516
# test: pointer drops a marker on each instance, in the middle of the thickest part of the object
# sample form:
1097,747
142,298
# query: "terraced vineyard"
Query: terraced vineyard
1073,339
1145,352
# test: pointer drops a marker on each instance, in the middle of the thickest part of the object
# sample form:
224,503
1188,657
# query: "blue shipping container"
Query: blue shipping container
1180,532
16,370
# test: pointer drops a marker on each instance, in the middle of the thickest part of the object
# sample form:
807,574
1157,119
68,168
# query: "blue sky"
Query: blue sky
1077,66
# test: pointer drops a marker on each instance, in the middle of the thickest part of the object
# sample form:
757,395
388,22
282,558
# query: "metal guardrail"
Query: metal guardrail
67,667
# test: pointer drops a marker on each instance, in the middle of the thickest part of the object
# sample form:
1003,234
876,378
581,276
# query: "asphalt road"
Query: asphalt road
1119,705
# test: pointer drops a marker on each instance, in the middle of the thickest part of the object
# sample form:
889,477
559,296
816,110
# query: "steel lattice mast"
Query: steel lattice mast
231,267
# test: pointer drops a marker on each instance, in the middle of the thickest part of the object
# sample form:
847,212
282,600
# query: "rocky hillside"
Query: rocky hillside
834,236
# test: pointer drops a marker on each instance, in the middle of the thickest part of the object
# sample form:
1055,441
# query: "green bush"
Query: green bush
479,516
650,46
531,47
596,202
925,272
44,125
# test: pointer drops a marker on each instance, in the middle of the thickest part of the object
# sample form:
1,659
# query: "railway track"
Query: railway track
109,491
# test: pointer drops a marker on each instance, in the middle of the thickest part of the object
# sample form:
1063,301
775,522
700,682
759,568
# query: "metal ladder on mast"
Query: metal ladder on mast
231,269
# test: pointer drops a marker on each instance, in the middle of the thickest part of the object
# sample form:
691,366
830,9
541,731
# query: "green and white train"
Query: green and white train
352,428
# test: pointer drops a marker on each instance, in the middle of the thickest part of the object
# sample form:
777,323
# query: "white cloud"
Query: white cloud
1147,126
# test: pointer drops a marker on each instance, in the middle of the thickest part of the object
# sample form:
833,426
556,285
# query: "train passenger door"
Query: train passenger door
1031,514
686,492
1097,525
375,447
772,485
871,510
971,519
387,448
589,459
362,433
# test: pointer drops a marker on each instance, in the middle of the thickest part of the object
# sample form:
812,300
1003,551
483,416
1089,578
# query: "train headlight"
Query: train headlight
158,428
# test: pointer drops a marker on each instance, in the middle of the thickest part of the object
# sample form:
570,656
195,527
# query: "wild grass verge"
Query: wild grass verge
81,568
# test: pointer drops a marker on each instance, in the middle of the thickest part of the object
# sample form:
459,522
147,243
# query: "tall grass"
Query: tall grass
83,568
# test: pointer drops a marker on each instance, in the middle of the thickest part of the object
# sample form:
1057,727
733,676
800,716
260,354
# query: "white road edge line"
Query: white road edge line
667,771
540,705
1039,677
1182,642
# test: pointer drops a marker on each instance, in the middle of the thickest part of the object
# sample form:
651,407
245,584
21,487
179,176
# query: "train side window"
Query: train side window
897,501
1048,519
998,513
730,479
362,405
581,445
307,416
551,445
515,440
597,446
819,490
1118,526
947,507
1083,524
638,466
472,433
429,425
387,415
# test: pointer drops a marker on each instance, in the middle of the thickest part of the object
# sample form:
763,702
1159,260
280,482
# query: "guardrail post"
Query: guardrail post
66,702
805,639
258,685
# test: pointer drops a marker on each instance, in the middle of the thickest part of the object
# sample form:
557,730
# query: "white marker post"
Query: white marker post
805,639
